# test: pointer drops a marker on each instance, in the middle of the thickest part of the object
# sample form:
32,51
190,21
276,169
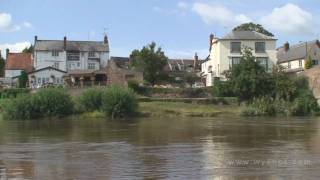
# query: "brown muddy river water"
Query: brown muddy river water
161,148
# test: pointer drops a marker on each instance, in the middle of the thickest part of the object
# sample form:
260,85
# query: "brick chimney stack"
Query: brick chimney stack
210,41
286,46
7,53
195,61
65,43
105,40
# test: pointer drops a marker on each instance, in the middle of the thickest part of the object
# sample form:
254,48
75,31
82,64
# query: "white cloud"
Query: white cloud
290,19
181,9
212,14
16,47
183,5
7,25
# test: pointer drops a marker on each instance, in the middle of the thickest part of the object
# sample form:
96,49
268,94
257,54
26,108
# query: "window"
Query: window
91,66
78,64
91,54
235,60
263,61
73,56
300,63
55,53
260,47
210,69
235,47
289,65
315,62
56,65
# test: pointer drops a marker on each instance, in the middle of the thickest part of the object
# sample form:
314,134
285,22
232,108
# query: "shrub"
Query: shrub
119,102
45,103
134,85
13,93
305,104
90,100
222,89
194,92
260,107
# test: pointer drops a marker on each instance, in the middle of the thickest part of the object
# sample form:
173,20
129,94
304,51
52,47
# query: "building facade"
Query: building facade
293,58
226,52
16,63
69,57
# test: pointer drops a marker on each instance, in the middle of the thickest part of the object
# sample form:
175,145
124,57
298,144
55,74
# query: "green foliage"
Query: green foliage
45,103
90,100
118,102
248,78
28,49
2,65
13,93
253,27
151,61
260,107
23,80
308,63
134,85
190,78
222,89
305,104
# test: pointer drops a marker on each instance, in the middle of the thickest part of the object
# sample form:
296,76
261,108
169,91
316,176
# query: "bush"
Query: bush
119,102
222,89
45,103
90,100
13,93
260,107
305,104
134,85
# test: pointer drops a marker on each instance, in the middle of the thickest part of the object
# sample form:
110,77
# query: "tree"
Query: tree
151,61
23,80
253,27
28,49
284,86
308,63
190,78
248,78
2,65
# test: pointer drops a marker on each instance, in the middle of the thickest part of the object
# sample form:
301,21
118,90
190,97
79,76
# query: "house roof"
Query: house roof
299,51
246,35
58,45
19,61
121,62
49,67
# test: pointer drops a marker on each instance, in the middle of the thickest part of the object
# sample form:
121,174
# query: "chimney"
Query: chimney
65,43
210,41
318,43
35,38
105,40
195,61
286,46
7,53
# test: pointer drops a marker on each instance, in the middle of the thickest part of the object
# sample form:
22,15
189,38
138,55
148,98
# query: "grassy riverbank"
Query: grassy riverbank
181,109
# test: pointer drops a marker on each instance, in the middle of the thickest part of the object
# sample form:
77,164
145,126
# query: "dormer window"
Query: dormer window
55,53
91,54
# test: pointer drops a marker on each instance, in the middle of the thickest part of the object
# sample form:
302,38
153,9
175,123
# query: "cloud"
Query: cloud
7,25
212,14
290,19
16,47
181,9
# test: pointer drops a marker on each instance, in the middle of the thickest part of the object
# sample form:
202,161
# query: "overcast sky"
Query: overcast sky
180,27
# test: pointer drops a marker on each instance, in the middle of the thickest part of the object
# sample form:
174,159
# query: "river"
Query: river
161,148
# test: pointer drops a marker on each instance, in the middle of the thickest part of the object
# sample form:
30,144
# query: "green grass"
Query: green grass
186,109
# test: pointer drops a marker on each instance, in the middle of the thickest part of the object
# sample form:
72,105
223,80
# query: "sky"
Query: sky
180,27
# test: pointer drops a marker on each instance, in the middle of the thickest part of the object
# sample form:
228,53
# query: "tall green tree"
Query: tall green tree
28,49
253,27
248,78
151,60
308,63
23,80
2,65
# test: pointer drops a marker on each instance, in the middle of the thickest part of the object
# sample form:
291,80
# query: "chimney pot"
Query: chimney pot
65,43
210,41
286,46
105,40
35,38
7,53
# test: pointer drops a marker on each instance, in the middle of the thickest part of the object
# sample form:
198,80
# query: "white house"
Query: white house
226,52
293,57
69,56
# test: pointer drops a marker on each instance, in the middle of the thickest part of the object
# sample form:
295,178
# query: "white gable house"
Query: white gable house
226,52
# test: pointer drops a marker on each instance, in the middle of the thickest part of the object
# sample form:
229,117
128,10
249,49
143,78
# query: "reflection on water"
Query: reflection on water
216,148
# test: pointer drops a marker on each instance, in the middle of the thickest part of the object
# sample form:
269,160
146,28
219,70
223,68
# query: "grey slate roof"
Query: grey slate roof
121,62
299,51
49,45
246,35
